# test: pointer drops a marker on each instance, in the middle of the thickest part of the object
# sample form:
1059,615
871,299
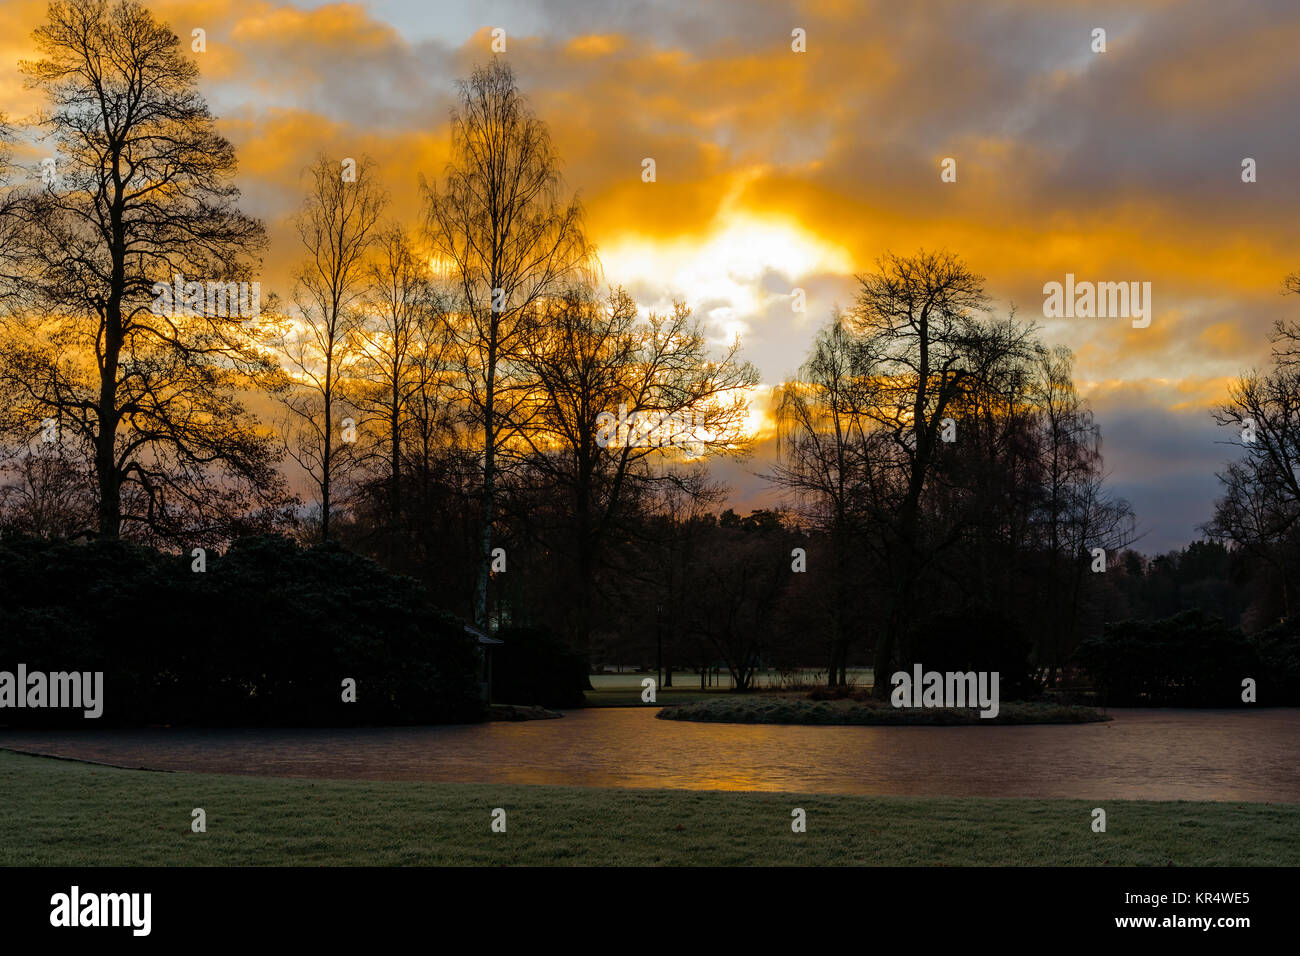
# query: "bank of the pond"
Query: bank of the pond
65,813
784,710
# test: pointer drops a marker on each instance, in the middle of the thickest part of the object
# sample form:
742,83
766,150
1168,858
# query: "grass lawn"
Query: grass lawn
57,812
624,690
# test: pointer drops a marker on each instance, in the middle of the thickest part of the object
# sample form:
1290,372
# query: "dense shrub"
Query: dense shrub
266,635
1278,651
1189,660
535,666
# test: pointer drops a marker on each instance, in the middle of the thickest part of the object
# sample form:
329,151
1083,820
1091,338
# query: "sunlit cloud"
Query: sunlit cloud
778,170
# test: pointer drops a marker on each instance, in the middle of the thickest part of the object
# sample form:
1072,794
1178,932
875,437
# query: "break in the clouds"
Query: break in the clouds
778,170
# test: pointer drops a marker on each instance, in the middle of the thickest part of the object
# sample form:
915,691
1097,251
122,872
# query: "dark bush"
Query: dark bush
266,635
1189,660
975,639
535,666
1278,651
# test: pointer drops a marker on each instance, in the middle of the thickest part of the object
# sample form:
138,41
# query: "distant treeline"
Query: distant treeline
268,632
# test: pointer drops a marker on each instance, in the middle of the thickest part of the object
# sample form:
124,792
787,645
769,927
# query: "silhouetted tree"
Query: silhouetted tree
1260,509
318,343
618,403
505,240
400,335
138,198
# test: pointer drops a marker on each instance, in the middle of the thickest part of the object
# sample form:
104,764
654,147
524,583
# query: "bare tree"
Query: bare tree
401,332
1264,410
1074,513
670,539
617,401
505,240
1260,510
9,217
46,494
739,575
830,456
923,348
137,200
318,344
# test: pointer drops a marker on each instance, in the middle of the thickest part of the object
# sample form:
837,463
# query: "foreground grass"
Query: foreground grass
776,710
55,812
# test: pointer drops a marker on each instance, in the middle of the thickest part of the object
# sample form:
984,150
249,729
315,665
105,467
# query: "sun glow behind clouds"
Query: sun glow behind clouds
734,273
734,278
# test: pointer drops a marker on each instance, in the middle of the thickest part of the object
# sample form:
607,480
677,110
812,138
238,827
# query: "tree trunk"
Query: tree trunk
395,502
886,645
327,454
833,669
110,485
485,505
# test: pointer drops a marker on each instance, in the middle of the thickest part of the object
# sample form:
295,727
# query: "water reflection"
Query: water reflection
1155,755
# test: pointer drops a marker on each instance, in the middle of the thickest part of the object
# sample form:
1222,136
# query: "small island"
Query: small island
787,710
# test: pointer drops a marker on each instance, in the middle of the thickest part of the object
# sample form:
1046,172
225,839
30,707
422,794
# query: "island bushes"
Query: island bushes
761,709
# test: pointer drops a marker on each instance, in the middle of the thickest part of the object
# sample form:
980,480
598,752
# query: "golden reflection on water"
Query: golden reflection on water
1142,754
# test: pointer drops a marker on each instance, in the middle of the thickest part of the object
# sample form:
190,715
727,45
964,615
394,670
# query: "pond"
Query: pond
1142,754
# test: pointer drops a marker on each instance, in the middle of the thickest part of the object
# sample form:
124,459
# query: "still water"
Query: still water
1141,754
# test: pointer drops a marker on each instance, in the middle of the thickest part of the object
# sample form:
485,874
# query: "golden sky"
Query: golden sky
779,170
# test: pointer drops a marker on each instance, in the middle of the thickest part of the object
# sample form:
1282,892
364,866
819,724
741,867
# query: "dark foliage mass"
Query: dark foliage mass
1192,660
977,639
266,635
536,666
